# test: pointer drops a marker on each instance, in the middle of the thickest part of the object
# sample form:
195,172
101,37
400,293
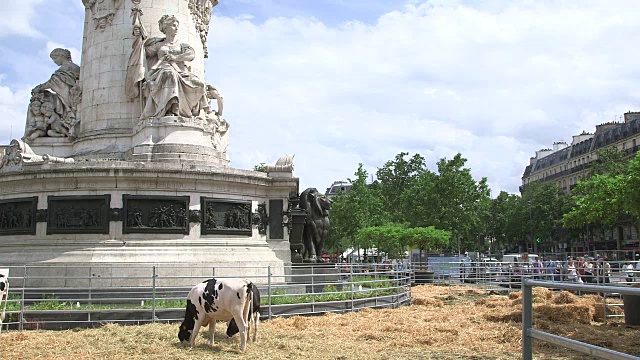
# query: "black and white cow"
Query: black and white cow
217,300
4,296
232,329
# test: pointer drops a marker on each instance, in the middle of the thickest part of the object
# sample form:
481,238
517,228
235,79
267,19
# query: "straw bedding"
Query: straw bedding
443,323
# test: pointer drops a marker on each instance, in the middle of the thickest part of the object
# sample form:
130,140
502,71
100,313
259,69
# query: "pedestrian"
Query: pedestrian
606,269
572,273
627,268
550,267
537,269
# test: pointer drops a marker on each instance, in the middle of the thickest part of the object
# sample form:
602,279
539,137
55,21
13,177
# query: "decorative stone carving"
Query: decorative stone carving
156,214
42,215
225,217
201,14
284,164
116,214
168,87
261,219
103,11
219,126
58,160
195,216
17,216
54,103
78,214
316,228
19,152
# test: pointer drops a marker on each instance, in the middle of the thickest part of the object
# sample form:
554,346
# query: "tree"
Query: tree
545,204
361,207
396,177
428,238
606,195
389,239
459,201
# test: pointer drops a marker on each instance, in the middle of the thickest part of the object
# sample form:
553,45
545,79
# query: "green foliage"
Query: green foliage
361,207
262,167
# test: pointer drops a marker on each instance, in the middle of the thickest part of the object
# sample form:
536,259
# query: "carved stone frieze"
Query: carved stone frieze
17,216
78,214
103,11
221,216
156,214
201,14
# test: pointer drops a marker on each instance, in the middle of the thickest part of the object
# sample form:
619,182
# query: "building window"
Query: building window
634,142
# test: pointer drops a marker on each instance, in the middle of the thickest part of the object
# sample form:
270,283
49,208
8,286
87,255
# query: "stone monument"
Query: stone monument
124,156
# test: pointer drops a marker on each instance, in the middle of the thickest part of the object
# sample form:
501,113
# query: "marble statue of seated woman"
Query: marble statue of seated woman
171,89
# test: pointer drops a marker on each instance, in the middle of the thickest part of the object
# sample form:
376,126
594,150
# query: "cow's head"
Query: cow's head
186,328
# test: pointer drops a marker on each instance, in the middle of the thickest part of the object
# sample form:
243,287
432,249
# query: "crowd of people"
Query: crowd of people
585,269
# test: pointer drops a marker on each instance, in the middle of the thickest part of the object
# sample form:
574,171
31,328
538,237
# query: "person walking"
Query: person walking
550,269
628,269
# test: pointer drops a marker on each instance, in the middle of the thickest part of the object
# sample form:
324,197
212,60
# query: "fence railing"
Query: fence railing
42,297
528,333
509,275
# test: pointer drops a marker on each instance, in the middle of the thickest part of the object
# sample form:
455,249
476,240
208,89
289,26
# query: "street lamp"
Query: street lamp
530,228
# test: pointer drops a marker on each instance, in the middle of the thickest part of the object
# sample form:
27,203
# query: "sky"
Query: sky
343,82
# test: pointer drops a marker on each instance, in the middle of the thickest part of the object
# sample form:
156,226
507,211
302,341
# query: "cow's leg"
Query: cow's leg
242,329
256,320
212,330
194,333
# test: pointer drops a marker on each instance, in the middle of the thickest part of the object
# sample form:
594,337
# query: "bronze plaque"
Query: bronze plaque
229,217
18,216
155,214
78,214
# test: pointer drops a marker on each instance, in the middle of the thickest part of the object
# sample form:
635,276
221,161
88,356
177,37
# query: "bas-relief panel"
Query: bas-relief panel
78,214
222,216
17,216
155,214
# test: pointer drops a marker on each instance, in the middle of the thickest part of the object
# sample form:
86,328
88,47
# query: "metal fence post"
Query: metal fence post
153,284
89,300
375,282
351,283
269,289
313,291
24,284
527,349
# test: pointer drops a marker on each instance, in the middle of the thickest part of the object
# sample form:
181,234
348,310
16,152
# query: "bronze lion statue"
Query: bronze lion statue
316,227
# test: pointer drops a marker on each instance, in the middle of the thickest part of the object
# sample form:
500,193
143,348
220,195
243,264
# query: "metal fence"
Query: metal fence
508,276
528,333
90,296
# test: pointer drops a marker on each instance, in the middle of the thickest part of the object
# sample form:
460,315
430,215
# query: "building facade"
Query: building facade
337,187
566,164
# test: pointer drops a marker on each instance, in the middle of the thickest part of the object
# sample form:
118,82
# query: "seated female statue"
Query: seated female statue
171,88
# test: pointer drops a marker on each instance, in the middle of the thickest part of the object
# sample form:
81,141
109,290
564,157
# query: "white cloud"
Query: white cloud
13,107
16,18
436,78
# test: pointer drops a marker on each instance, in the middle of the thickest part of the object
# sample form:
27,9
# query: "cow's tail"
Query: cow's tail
4,295
248,307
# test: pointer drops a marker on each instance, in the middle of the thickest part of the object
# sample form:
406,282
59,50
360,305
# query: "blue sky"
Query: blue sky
342,82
